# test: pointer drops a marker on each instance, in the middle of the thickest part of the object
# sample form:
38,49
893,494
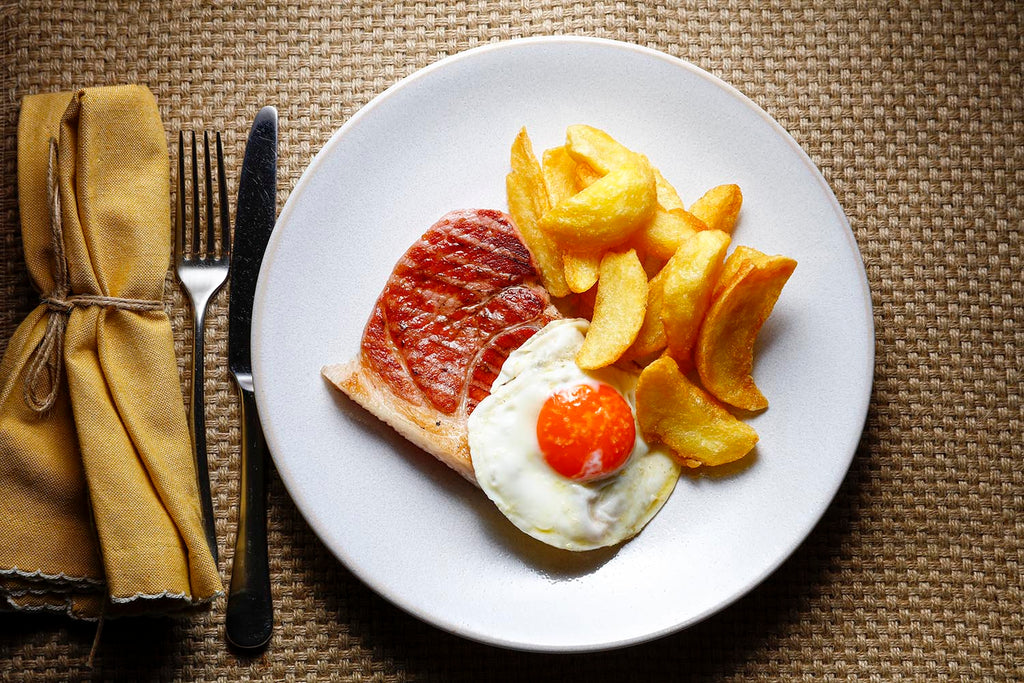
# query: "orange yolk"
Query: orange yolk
586,432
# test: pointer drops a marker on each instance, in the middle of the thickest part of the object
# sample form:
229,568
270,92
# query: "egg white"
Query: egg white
511,469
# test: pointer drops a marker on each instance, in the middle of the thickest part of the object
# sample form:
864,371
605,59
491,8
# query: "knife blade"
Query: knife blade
249,621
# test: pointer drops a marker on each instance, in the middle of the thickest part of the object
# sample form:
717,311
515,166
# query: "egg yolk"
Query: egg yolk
586,432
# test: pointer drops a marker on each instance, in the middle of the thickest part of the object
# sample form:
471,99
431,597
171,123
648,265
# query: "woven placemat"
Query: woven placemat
914,113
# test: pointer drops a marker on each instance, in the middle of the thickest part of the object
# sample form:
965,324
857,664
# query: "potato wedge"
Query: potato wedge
651,337
732,264
719,207
666,230
607,213
559,174
724,354
602,152
668,198
596,148
690,277
618,310
738,259
586,176
527,202
676,412
581,270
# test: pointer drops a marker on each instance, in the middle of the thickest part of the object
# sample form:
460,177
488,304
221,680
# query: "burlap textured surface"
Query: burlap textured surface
914,113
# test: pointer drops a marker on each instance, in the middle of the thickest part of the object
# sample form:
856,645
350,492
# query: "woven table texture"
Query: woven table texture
914,113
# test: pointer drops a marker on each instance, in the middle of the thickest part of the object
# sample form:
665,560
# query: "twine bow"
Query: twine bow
42,379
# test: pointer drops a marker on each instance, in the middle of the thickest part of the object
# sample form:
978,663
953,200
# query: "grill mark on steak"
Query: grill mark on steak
380,353
462,298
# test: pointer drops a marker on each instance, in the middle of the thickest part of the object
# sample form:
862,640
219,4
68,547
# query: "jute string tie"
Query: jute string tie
42,378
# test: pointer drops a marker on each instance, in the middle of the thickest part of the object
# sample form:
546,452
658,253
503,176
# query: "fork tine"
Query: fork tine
194,242
225,215
211,238
179,220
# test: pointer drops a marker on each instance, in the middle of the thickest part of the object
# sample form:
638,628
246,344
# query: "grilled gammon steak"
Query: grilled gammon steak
460,300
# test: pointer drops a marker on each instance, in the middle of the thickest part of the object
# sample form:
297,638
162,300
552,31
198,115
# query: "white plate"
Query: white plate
416,532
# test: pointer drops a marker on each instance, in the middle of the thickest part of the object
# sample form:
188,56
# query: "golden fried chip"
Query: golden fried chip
678,413
719,207
595,147
690,277
527,202
668,198
559,174
605,214
581,270
618,310
724,354
651,337
602,152
666,230
586,176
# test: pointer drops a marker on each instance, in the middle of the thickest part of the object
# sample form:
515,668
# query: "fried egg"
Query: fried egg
558,450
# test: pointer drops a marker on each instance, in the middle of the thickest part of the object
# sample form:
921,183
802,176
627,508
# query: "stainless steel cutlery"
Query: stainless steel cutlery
250,617
202,248
206,255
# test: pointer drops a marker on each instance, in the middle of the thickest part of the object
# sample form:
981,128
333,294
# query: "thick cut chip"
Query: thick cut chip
605,214
596,148
668,198
666,231
581,270
618,310
602,152
690,277
527,202
586,176
724,355
559,174
651,337
730,267
719,207
673,410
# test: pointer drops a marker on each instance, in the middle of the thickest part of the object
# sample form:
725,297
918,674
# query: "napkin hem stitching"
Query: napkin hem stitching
40,574
165,594
67,608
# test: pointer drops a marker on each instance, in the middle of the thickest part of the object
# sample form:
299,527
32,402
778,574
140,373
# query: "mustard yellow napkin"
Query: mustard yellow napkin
99,507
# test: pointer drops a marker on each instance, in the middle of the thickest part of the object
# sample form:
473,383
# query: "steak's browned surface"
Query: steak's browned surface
460,300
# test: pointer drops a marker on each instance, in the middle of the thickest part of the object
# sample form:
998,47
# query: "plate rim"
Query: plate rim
288,477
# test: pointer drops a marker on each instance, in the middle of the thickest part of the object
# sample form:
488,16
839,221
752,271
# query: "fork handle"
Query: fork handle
198,413
250,612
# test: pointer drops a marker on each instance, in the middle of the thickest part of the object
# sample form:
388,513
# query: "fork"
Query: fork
202,271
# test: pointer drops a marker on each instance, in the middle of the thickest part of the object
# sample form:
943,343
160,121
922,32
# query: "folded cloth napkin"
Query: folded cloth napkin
99,506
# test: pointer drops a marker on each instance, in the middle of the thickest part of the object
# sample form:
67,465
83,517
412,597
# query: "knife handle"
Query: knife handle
250,611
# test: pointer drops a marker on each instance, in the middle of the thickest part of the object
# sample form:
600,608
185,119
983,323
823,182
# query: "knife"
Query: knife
250,612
